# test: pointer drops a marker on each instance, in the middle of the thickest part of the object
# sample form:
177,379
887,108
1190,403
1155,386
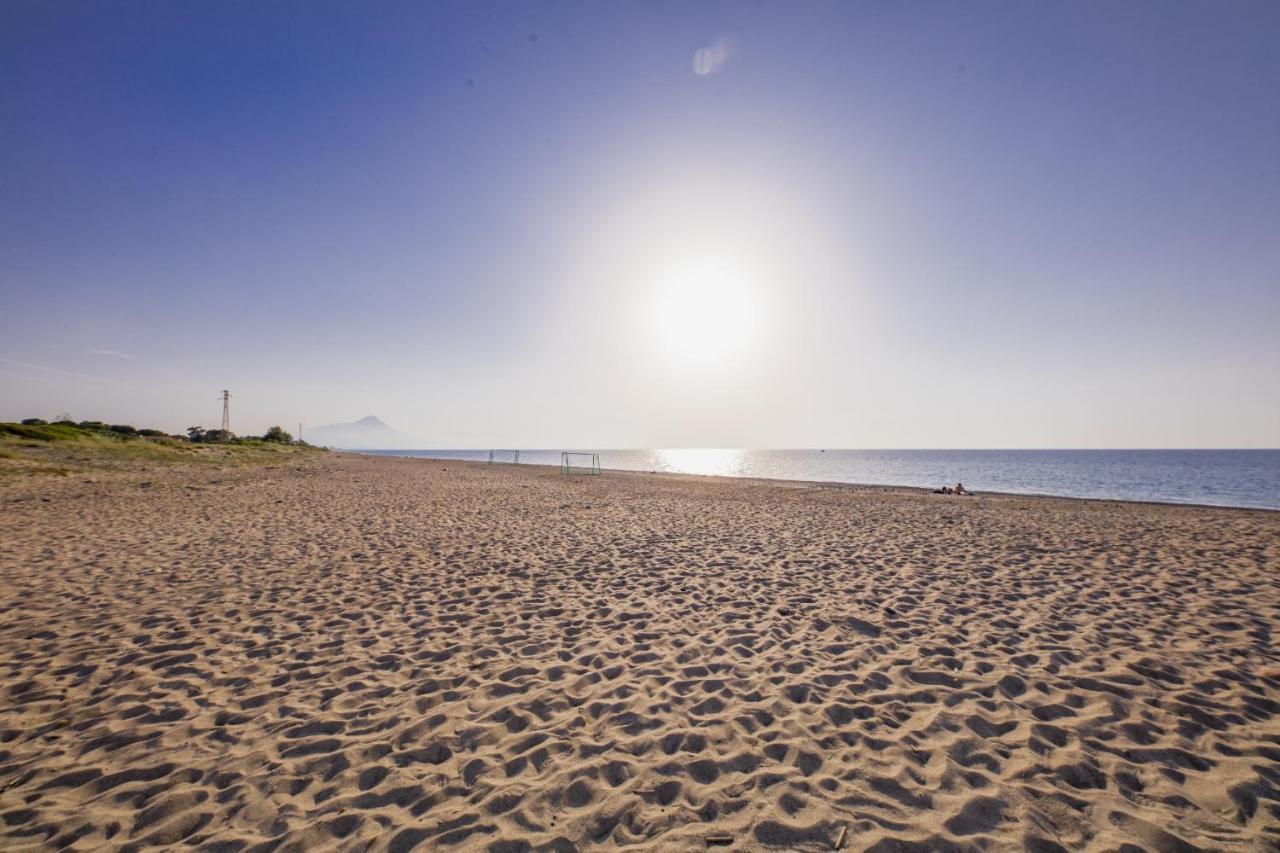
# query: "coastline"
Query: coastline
351,651
832,484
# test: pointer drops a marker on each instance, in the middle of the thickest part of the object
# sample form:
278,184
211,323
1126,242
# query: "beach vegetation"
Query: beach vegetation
277,434
66,447
41,432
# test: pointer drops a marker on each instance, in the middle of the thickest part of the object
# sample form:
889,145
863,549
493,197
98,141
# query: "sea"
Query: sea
1235,478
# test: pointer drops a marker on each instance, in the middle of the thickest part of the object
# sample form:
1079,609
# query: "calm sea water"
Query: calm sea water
1243,478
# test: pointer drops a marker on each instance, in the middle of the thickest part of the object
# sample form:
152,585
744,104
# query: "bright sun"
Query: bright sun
704,315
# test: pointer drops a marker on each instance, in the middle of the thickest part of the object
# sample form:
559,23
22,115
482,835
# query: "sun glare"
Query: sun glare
705,314
723,462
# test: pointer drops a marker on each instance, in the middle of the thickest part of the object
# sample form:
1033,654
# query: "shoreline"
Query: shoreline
827,484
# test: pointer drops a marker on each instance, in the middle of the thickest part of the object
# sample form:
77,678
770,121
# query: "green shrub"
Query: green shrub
277,434
42,432
34,422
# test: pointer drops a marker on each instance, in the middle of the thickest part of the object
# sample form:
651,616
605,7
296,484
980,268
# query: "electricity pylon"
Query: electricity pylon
226,411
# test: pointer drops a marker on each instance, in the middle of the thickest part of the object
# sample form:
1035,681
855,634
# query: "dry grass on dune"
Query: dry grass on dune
53,449
363,653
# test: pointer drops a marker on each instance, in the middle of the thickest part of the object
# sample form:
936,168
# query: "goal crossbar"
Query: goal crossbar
509,456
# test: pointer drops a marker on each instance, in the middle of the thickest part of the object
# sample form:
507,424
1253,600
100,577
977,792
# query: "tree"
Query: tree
195,433
277,434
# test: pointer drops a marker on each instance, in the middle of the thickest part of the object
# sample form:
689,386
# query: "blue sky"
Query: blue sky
931,224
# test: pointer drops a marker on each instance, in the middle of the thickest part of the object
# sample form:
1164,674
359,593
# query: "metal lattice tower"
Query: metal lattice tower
226,411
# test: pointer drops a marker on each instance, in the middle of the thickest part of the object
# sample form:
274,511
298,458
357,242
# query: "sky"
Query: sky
626,224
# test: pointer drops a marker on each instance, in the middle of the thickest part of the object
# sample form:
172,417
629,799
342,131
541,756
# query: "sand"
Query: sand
367,653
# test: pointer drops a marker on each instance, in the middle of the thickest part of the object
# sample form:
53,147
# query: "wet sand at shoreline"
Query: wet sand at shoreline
378,653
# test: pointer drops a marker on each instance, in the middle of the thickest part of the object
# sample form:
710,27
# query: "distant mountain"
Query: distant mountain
365,434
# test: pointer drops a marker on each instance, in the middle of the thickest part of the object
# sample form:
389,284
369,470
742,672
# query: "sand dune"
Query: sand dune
387,654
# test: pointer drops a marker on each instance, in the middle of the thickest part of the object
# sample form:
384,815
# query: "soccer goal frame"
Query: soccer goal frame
510,457
574,462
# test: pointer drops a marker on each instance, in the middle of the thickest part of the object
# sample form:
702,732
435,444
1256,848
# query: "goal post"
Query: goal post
572,462
511,457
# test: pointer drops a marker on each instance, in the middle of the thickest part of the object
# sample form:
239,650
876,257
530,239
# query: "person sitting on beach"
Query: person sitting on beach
960,489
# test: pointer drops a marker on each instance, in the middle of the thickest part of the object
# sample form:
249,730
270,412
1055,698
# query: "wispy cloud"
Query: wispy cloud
710,58
45,369
111,352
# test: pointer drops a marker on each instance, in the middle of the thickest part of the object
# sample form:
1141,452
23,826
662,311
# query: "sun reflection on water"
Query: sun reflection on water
701,460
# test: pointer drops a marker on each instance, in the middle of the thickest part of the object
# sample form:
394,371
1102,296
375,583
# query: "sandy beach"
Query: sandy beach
356,653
